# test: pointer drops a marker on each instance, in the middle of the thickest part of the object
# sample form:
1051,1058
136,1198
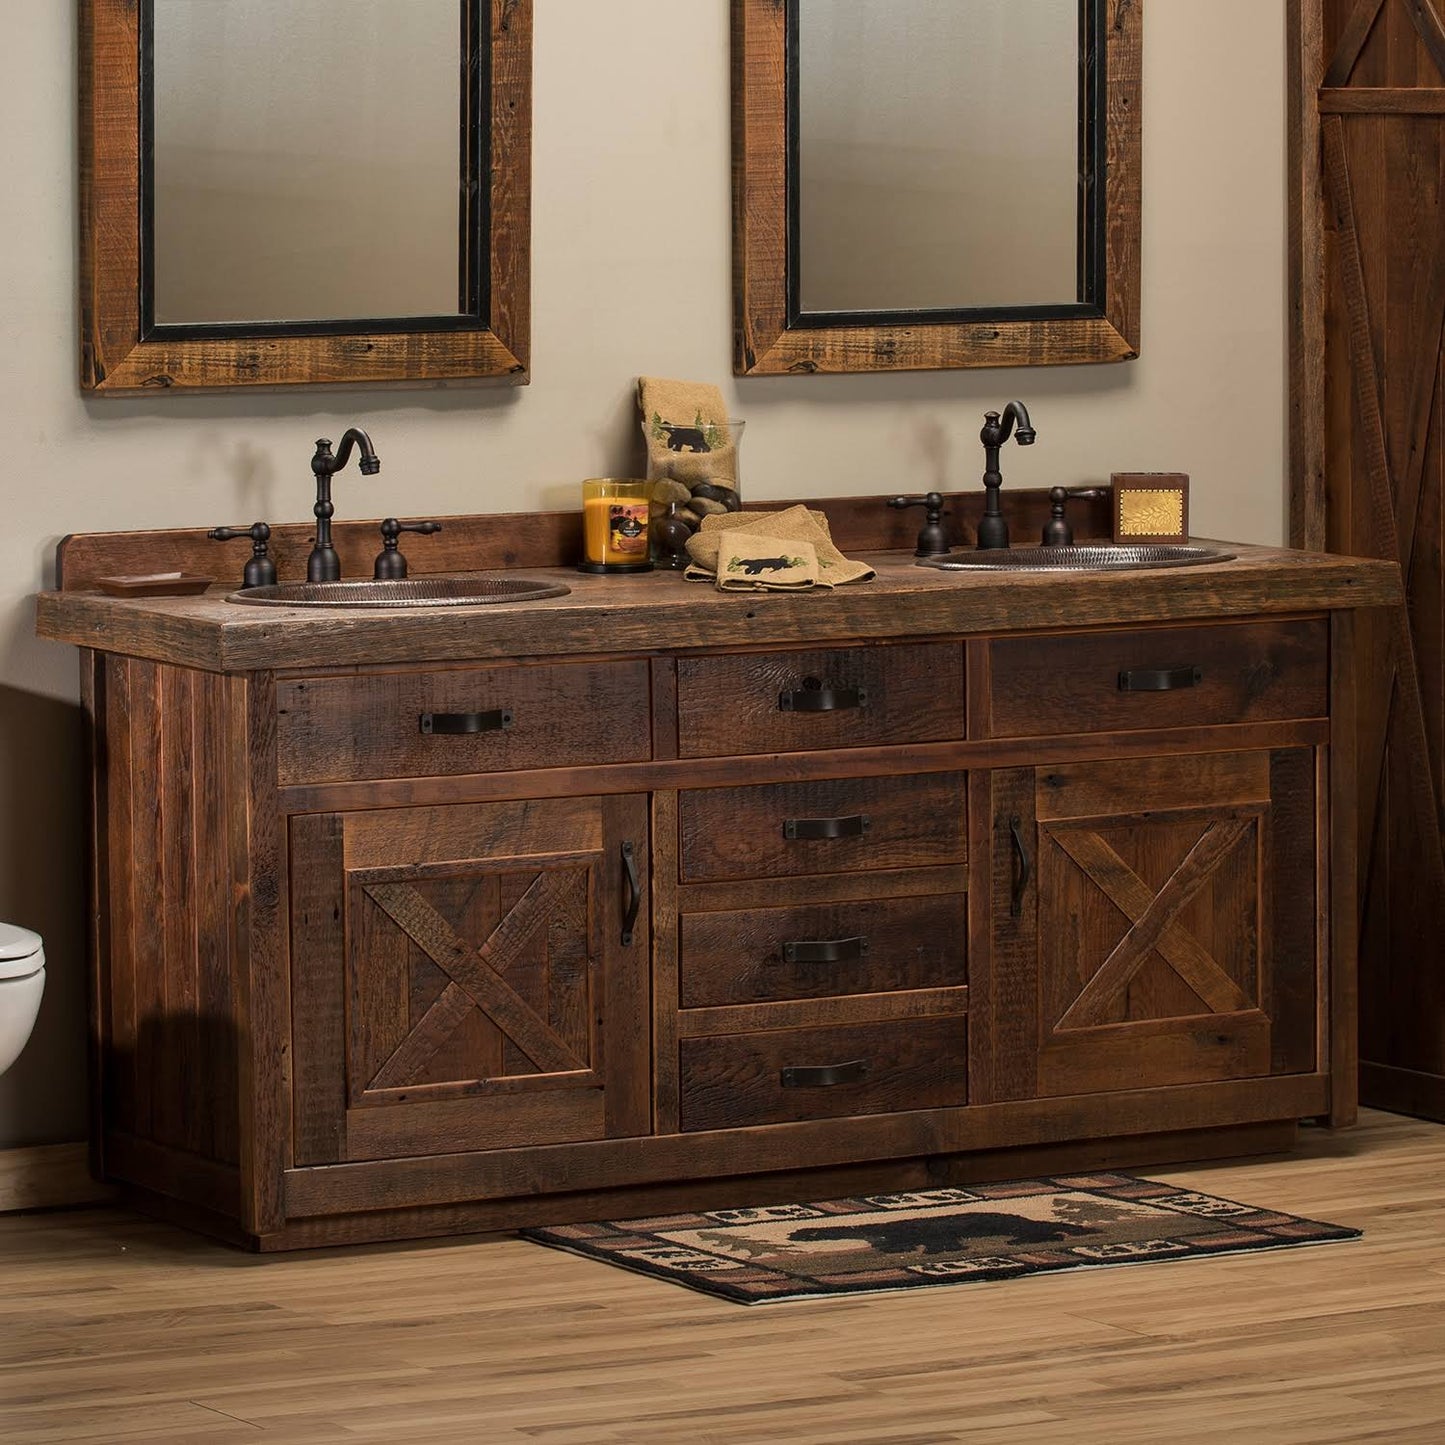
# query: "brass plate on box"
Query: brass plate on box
1151,507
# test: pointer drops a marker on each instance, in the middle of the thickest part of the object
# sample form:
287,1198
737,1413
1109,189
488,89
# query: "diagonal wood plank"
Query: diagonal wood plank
1352,41
1133,897
462,963
1104,991
430,1032
1425,355
1372,425
1427,21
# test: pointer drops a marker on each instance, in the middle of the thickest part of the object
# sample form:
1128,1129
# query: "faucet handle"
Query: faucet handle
932,539
390,565
1057,531
260,570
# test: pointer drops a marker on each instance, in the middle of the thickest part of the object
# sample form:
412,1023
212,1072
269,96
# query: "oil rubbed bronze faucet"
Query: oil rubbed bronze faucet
323,565
992,529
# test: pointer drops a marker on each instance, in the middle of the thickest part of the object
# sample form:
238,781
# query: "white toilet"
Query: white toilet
22,981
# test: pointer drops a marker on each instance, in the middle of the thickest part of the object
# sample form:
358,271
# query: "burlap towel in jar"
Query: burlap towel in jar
792,525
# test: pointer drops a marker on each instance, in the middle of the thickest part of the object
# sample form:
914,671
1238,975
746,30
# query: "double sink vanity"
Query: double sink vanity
419,920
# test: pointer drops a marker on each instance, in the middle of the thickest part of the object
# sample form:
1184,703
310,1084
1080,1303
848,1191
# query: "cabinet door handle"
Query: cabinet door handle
833,950
634,894
824,1076
1025,871
1160,679
460,723
814,697
856,825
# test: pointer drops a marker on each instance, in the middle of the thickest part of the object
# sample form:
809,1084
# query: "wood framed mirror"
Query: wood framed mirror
925,184
336,193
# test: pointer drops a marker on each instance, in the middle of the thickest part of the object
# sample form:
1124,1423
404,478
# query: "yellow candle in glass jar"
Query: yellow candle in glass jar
614,525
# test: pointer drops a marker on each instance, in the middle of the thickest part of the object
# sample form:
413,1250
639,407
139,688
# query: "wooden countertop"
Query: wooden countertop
661,612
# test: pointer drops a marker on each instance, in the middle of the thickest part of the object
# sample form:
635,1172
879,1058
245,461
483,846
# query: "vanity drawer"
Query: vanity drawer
729,1081
848,697
1158,677
875,945
841,825
412,724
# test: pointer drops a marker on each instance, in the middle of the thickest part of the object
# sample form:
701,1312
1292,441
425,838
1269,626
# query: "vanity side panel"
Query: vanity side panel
167,1039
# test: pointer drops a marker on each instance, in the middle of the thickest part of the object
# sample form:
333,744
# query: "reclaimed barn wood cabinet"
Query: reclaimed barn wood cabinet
750,898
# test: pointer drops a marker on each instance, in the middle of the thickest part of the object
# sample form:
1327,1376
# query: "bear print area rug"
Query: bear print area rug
934,1237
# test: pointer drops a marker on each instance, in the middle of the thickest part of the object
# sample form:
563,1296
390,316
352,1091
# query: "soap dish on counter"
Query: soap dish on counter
154,584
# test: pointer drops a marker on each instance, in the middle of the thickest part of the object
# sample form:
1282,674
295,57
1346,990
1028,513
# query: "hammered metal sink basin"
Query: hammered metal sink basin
1101,557
410,592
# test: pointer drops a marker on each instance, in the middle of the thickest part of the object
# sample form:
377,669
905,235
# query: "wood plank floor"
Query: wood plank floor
114,1328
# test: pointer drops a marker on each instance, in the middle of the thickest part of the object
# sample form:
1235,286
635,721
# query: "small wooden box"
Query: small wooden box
1151,507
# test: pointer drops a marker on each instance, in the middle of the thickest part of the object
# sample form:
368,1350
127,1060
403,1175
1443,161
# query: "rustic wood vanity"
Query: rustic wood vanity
689,897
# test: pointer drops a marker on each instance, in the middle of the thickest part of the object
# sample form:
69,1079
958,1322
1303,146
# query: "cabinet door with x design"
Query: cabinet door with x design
1151,922
471,976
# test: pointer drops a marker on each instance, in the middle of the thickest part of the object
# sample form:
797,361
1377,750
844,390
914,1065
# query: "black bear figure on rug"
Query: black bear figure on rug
946,1235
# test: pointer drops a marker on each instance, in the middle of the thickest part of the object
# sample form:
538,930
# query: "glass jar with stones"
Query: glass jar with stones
694,474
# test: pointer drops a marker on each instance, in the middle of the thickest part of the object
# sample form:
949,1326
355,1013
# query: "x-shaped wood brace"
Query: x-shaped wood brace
475,977
1153,917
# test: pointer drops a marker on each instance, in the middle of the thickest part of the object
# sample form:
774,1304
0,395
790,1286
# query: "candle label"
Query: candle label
627,528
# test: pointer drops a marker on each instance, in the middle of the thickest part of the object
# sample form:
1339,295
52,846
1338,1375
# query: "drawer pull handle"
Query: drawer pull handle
854,826
824,1076
457,724
832,950
1160,679
1021,877
814,697
634,895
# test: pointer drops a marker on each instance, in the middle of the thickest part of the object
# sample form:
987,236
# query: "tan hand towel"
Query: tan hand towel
751,561
795,524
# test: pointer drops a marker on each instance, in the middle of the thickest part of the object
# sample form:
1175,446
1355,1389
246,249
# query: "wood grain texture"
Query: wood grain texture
768,341
743,957
821,1142
1175,934
731,1081
1306,62
118,357
483,992
865,1008
636,614
50,1176
911,821
1375,358
166,1035
1247,672
899,694
354,728
1298,1345
522,539
436,1021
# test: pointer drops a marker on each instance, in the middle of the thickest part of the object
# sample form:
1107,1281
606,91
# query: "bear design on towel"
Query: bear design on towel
756,566
945,1236
685,438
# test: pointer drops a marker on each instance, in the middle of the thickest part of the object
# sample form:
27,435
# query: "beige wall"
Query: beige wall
631,275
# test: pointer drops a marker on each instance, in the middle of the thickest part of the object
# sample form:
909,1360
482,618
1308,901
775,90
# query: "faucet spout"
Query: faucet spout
997,428
370,463
323,565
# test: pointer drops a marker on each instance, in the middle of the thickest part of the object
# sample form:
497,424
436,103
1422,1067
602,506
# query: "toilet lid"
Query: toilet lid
18,947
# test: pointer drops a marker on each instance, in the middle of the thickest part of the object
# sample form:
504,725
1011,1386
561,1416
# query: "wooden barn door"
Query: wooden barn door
1368,123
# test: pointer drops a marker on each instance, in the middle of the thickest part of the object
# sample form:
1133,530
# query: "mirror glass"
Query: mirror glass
307,161
939,150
